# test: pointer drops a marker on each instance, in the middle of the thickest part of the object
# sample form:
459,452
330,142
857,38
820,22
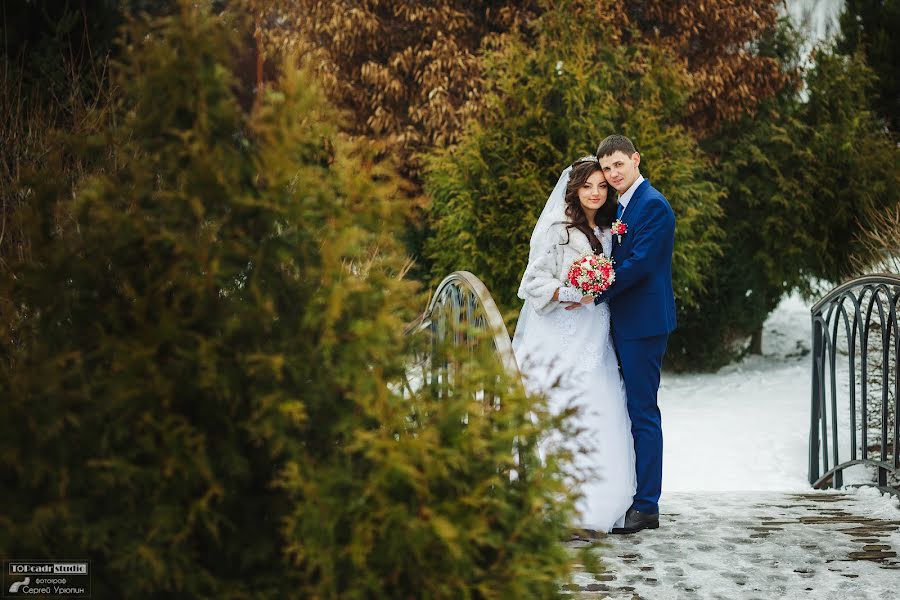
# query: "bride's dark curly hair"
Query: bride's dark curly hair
581,170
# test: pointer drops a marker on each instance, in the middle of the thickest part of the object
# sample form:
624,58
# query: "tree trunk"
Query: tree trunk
259,67
756,341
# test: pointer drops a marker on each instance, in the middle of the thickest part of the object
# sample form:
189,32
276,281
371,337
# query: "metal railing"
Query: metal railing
855,383
461,312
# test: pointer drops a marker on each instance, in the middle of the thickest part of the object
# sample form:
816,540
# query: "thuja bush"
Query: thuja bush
444,498
201,370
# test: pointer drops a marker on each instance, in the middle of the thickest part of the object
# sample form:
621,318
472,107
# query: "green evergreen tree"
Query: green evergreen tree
555,94
201,370
854,166
803,176
870,27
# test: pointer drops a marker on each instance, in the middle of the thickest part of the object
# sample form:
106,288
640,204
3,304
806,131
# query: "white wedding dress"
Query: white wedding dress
569,356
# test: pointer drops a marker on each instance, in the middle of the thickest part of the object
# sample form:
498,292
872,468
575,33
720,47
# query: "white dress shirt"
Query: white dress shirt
625,198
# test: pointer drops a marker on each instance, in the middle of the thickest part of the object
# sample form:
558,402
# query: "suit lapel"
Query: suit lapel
635,198
629,211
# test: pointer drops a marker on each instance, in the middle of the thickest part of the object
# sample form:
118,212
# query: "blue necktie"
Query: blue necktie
619,210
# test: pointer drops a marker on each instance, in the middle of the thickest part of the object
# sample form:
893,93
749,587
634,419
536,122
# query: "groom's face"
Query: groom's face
620,169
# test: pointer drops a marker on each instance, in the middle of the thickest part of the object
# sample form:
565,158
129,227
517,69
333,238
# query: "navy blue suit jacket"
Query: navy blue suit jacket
641,300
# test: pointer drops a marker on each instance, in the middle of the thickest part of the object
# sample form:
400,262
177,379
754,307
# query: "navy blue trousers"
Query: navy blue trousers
641,360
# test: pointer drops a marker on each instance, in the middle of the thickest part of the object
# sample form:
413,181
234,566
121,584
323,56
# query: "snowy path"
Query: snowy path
761,545
738,517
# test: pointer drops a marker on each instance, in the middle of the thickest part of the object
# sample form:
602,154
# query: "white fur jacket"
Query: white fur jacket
548,272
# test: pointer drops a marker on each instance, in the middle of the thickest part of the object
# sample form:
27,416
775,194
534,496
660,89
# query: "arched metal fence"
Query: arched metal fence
461,313
855,385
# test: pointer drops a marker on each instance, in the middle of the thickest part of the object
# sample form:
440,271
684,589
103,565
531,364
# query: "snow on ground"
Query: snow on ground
755,546
747,426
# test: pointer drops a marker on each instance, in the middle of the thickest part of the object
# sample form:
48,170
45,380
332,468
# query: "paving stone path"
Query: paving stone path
757,545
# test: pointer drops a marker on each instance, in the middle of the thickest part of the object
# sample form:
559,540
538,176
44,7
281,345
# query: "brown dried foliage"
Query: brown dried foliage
714,38
33,134
879,244
407,72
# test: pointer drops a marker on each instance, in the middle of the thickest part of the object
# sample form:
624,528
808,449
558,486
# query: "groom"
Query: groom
642,314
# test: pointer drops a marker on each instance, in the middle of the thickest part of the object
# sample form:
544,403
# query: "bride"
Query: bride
562,342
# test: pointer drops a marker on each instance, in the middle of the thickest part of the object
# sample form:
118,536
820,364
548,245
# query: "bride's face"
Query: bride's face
593,193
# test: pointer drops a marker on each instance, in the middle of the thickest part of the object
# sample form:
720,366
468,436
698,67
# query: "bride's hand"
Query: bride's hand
575,305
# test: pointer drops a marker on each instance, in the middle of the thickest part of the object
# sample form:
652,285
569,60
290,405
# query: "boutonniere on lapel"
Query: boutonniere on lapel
619,228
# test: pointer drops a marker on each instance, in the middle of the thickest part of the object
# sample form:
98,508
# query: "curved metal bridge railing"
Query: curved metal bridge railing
463,313
855,384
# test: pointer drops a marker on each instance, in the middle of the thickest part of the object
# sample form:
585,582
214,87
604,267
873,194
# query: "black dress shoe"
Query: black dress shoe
635,520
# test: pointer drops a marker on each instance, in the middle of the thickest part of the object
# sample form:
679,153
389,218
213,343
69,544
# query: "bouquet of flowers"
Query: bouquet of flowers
592,274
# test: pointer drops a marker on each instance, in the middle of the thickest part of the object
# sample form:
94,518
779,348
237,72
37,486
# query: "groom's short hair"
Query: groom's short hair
615,143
